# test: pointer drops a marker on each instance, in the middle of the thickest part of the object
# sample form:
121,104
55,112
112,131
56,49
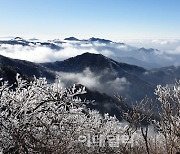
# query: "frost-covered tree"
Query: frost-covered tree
166,137
169,124
37,117
31,113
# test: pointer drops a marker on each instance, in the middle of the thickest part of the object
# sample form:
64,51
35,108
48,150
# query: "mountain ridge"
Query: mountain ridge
107,70
129,81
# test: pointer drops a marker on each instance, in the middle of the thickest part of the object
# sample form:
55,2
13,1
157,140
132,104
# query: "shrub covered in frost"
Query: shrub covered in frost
37,117
41,117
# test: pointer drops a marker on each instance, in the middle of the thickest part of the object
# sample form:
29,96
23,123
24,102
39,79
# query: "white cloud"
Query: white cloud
177,51
118,84
41,53
108,53
93,81
86,78
36,53
164,44
30,53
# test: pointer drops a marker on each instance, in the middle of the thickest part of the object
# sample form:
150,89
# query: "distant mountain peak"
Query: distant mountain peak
95,62
18,39
148,50
93,59
93,39
92,54
71,39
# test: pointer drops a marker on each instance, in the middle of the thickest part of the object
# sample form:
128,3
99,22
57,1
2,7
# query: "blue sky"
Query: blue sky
112,19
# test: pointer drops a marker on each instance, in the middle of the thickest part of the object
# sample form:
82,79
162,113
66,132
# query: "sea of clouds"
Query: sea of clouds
165,53
160,56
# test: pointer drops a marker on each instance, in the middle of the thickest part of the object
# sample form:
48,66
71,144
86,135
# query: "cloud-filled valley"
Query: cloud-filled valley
95,81
57,50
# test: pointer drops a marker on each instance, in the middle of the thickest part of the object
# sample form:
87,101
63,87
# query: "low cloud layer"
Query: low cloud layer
167,46
168,52
94,81
41,54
